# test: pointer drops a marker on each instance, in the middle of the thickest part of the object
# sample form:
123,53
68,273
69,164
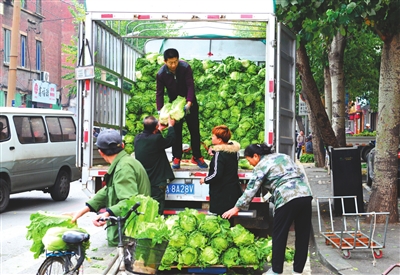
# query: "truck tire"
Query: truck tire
4,195
60,190
364,152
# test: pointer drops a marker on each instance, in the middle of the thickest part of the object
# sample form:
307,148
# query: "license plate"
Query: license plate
180,189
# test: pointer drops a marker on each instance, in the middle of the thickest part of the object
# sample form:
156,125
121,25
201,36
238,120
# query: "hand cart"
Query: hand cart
345,239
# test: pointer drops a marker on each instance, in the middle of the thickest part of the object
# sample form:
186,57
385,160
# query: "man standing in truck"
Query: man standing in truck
176,76
150,148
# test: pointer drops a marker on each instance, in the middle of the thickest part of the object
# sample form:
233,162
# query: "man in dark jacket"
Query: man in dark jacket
150,148
176,76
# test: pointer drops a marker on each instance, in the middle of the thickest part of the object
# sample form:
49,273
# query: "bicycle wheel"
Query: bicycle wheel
57,265
52,265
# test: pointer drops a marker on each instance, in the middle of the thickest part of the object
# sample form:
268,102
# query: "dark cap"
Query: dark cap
109,139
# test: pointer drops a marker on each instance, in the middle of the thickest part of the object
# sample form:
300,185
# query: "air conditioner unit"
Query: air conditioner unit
45,76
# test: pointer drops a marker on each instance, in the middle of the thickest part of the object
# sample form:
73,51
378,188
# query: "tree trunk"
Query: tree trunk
328,93
336,70
318,145
315,105
384,187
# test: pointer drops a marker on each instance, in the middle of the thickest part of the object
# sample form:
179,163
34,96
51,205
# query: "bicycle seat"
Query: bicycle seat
75,237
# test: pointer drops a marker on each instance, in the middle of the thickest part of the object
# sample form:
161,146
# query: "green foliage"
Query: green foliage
231,246
40,223
307,158
147,225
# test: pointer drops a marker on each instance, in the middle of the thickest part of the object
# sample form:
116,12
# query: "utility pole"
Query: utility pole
12,72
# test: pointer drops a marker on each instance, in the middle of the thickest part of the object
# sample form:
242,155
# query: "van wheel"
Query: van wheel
4,195
60,190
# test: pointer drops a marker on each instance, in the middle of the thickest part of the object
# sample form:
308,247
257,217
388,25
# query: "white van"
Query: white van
38,152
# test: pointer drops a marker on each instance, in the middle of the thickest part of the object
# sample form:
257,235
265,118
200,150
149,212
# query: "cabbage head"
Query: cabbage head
188,257
177,111
169,258
230,257
208,256
248,255
164,113
210,225
187,220
177,238
197,240
220,243
241,236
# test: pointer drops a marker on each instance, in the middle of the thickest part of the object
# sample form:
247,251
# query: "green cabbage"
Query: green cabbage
241,236
177,238
188,257
208,256
40,223
197,240
231,257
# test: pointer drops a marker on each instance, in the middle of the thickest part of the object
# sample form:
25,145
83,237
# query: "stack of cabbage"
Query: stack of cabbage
230,92
202,240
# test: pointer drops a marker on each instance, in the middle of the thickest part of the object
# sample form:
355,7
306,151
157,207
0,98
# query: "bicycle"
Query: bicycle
69,262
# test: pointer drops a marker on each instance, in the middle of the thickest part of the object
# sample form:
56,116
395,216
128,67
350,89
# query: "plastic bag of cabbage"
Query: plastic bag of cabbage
230,92
197,239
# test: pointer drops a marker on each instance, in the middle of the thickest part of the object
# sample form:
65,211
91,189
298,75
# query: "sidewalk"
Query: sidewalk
361,260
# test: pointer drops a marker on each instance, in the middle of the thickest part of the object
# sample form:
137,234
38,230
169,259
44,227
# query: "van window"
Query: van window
61,129
30,129
4,133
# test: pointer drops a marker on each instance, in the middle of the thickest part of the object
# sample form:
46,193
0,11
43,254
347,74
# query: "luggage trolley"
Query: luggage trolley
345,239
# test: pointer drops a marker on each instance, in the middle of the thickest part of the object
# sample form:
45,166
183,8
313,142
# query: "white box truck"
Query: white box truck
103,103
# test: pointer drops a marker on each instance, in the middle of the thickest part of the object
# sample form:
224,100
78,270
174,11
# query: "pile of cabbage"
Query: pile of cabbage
46,229
230,92
197,239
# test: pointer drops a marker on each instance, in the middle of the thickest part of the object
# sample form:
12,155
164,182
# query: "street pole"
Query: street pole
12,73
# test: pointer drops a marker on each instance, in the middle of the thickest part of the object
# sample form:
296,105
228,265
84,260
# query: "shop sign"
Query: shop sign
44,92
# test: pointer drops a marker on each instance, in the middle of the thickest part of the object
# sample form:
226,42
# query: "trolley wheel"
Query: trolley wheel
327,242
346,254
378,253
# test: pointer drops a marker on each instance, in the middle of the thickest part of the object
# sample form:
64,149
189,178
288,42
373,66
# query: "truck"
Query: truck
101,103
364,144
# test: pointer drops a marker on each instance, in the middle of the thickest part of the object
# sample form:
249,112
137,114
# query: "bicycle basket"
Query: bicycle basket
142,257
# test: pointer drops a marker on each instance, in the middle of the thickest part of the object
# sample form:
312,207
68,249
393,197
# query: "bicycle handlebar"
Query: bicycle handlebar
114,219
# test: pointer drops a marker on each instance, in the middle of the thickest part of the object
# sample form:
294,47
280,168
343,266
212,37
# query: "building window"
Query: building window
38,55
7,45
39,6
23,51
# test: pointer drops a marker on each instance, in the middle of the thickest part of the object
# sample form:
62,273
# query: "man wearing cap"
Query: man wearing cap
126,177
150,148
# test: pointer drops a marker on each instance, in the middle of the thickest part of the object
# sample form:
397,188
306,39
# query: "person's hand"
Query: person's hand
73,215
186,109
210,151
171,122
97,222
201,181
161,126
230,213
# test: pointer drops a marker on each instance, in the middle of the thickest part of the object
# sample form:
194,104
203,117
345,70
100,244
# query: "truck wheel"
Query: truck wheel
4,195
364,153
60,190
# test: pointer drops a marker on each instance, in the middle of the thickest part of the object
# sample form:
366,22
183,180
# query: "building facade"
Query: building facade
44,26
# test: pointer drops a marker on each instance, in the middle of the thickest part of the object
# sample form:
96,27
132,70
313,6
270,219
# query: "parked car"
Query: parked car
370,168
